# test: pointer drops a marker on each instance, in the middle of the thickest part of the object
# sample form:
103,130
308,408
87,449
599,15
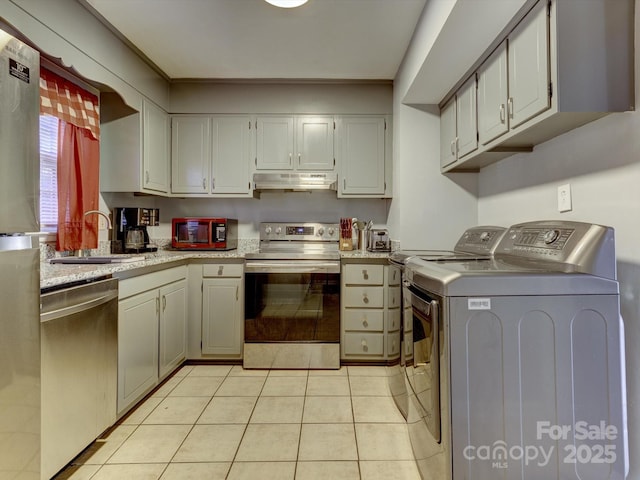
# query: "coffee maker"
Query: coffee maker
129,234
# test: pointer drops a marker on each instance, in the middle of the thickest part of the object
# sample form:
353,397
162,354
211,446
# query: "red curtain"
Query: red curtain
78,114
78,187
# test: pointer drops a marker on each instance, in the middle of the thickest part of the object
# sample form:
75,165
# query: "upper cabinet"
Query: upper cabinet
155,148
459,125
134,151
363,152
274,150
314,143
210,155
552,72
294,143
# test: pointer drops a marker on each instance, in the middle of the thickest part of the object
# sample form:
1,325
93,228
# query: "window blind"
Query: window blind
48,173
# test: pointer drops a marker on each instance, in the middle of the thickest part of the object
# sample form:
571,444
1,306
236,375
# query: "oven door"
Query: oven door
292,301
425,377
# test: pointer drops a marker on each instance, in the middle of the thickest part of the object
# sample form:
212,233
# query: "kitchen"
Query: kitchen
597,159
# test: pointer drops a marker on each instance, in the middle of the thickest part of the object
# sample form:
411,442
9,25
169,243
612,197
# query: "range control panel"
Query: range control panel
308,232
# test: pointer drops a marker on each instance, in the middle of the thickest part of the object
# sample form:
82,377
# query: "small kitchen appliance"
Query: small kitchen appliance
379,240
129,234
193,233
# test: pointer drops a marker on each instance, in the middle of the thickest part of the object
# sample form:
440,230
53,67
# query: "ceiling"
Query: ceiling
251,39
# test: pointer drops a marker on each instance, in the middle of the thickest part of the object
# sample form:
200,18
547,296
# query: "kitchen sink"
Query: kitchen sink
98,259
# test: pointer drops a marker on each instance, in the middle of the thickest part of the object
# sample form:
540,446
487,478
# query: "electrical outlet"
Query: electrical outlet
564,198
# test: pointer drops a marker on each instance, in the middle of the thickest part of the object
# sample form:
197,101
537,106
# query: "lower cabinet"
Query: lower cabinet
370,312
223,310
152,320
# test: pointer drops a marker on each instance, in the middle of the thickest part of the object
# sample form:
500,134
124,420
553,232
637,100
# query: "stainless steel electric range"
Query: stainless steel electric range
292,297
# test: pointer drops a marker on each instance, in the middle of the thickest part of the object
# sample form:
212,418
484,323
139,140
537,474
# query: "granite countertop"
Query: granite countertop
53,275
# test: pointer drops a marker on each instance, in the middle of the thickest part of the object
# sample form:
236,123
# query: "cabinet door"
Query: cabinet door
314,143
155,148
274,143
493,95
222,317
190,154
137,346
448,147
361,148
466,118
529,66
231,157
173,326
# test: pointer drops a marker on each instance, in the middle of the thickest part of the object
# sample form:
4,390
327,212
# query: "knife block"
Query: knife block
346,243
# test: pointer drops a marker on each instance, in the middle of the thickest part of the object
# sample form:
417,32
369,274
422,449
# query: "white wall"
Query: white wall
429,210
601,161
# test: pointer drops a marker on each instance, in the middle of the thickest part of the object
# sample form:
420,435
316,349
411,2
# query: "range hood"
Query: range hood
296,181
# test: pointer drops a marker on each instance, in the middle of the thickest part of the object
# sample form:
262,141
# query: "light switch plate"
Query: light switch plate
564,198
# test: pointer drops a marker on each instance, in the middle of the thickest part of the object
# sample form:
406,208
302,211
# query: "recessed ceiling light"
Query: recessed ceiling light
287,3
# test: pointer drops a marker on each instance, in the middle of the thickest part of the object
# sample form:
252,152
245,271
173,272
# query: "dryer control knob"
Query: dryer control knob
551,236
321,231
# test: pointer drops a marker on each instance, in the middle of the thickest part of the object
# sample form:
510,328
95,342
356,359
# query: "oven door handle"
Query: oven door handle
283,266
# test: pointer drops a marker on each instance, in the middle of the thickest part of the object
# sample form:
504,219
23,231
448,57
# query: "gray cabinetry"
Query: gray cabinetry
363,154
223,310
303,142
134,149
458,125
551,72
152,316
211,155
370,312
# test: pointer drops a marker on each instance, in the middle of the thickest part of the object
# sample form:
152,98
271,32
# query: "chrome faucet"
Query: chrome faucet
80,252
98,212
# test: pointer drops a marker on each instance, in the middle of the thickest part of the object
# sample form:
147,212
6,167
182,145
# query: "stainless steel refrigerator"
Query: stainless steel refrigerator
19,261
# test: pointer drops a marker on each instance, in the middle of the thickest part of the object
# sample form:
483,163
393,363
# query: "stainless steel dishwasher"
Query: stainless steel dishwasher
78,327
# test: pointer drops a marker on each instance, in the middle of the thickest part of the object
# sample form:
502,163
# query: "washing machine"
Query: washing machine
476,244
519,370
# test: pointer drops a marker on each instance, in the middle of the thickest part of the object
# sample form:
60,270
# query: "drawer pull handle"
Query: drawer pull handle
365,323
365,274
365,347
220,269
365,299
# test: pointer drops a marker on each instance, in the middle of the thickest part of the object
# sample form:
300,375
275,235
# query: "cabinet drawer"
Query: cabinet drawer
393,320
394,297
394,276
393,344
222,270
364,344
364,297
364,320
358,274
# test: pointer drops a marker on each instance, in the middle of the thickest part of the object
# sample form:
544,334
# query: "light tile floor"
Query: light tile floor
214,422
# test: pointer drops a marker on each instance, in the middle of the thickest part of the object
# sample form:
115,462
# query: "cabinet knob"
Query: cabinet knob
220,270
502,115
146,176
204,183
510,107
365,274
365,347
365,298
365,323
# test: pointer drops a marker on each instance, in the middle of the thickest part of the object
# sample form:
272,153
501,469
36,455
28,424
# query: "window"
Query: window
48,173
